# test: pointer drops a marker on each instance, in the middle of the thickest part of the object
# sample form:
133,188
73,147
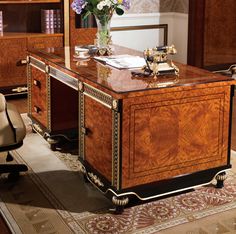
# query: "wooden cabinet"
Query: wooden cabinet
211,34
13,54
22,31
155,143
160,136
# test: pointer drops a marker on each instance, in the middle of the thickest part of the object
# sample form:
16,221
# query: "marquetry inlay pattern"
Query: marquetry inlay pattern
49,111
29,98
194,141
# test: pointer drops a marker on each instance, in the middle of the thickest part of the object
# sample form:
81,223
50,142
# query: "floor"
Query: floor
21,104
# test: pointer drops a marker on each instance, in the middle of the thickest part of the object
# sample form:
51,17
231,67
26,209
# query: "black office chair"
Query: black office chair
12,133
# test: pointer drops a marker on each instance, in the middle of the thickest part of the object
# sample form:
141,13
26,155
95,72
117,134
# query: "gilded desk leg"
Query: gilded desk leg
220,180
119,204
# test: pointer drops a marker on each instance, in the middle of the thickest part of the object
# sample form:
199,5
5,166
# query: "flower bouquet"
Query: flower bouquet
103,11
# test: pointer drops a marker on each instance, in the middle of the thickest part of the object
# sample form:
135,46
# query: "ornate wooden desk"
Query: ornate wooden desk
138,137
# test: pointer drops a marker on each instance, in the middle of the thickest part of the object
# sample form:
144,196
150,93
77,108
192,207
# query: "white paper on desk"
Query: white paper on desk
123,61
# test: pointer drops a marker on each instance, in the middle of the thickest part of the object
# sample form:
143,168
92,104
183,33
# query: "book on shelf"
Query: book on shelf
50,21
58,21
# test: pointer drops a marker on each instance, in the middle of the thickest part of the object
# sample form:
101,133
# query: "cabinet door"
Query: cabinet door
211,42
98,138
12,71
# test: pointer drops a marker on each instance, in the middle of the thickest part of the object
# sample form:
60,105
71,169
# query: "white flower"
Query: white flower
108,3
100,6
104,3
84,5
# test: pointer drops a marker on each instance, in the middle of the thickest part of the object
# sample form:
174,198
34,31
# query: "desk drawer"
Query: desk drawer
38,94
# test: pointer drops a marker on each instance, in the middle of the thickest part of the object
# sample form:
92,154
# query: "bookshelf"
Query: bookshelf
21,31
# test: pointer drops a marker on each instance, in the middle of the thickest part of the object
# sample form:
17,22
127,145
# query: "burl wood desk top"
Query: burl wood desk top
121,82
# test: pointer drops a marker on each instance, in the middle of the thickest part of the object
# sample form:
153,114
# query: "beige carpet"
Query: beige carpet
53,198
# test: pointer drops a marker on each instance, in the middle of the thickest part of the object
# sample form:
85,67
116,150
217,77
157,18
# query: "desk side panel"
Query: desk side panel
173,134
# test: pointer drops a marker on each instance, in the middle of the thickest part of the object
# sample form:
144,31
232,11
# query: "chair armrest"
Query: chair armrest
16,122
2,103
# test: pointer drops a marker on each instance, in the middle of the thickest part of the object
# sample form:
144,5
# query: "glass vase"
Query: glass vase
103,36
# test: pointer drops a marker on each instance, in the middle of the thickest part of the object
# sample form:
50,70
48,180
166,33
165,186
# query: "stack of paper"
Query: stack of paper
122,61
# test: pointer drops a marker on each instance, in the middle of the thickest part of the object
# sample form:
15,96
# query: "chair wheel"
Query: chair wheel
13,176
9,157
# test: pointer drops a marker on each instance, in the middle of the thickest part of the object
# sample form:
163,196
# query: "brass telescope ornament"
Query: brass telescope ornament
157,62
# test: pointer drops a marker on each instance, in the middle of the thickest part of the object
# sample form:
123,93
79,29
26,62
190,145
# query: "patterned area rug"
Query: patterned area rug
52,197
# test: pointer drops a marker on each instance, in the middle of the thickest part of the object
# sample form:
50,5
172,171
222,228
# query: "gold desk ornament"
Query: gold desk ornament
157,62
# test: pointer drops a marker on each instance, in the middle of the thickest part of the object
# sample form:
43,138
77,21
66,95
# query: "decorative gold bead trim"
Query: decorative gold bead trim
116,149
95,179
81,86
98,95
81,167
48,88
29,87
81,124
37,128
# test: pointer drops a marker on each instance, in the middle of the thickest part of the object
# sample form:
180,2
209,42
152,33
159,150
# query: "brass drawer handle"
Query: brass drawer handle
36,83
23,61
37,109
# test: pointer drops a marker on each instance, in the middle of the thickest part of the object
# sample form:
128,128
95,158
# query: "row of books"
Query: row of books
51,21
1,23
